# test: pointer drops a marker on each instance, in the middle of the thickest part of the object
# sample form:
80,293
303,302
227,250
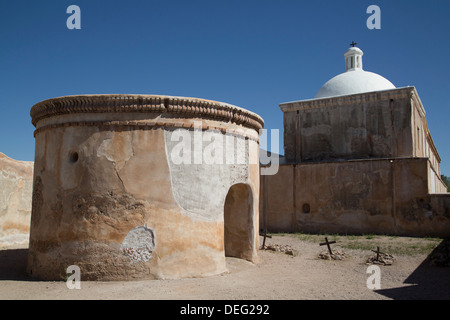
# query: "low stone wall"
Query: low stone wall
16,186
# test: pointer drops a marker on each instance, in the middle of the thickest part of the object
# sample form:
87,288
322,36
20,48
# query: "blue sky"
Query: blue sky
253,54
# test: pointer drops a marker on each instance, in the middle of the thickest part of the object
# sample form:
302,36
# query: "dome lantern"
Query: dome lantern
353,58
354,80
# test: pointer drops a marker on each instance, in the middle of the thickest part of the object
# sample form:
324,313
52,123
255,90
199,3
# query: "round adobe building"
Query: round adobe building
142,187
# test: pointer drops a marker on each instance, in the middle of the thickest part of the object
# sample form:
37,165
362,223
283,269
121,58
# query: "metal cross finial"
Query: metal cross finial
353,44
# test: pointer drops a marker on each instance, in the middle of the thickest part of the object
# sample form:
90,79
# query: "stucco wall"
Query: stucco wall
16,182
111,197
369,125
361,196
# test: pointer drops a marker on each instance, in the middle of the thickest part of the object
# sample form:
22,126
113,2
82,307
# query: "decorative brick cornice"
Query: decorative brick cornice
136,125
187,107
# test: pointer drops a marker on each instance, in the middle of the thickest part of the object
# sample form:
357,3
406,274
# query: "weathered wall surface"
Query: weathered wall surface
360,196
370,125
112,198
441,204
240,225
424,145
330,187
16,184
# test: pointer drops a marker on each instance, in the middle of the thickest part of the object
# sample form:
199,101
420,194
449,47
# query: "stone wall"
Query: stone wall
16,184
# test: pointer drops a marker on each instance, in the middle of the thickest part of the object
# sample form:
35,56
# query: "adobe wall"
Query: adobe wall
384,196
112,197
16,184
424,145
359,126
441,204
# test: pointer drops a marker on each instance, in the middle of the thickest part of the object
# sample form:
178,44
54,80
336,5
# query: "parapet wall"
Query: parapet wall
358,126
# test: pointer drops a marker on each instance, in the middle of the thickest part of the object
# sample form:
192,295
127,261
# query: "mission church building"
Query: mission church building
359,158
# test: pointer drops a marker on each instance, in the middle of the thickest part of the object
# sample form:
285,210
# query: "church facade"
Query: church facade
359,159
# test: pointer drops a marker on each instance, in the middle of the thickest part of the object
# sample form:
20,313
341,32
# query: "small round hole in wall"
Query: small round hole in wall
306,208
73,157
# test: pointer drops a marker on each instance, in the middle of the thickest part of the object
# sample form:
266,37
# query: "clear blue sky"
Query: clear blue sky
253,54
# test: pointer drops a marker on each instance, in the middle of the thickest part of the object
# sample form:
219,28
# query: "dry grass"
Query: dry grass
406,246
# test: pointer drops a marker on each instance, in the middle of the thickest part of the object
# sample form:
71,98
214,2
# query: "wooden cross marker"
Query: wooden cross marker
264,240
378,253
328,244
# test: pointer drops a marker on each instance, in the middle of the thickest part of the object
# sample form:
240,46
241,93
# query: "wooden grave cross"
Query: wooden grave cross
328,244
265,235
378,253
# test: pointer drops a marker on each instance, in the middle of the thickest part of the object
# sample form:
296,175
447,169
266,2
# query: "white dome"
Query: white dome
351,82
354,79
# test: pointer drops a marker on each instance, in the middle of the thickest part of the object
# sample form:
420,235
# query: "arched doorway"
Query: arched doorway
238,231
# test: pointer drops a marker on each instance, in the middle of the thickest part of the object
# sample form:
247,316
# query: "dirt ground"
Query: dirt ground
278,276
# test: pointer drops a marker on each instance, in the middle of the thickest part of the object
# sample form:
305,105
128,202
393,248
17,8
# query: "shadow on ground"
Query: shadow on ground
13,263
430,281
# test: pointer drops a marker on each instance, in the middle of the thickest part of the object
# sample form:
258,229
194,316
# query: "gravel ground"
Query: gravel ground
295,274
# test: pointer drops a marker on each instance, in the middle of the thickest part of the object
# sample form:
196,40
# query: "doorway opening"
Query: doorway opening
238,230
